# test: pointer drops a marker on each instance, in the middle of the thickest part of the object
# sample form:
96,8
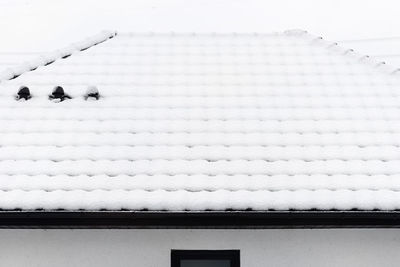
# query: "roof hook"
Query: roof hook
23,93
92,93
58,94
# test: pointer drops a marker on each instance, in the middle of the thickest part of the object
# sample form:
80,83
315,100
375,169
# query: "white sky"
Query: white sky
43,25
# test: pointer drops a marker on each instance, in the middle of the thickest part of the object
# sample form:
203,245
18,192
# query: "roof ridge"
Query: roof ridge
340,50
44,60
371,39
183,33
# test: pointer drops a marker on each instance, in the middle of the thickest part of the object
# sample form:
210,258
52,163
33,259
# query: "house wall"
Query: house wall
151,248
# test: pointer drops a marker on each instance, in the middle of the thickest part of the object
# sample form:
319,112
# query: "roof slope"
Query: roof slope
385,49
204,122
32,62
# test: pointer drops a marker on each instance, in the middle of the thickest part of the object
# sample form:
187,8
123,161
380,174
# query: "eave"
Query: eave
199,220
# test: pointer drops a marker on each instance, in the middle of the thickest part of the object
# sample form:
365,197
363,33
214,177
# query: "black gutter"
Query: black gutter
199,220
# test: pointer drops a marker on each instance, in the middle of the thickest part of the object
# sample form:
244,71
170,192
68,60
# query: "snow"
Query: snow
30,28
384,49
92,93
211,153
202,200
200,182
44,60
70,137
203,122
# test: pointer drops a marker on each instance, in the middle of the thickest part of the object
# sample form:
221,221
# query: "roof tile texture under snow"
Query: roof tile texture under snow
204,122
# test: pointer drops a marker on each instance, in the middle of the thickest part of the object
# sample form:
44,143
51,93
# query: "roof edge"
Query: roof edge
50,58
338,49
198,220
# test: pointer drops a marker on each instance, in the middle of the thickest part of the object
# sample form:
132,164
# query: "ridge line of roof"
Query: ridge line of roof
371,39
172,33
44,60
340,50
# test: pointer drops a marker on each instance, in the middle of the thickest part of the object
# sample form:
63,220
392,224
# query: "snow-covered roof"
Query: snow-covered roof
384,49
203,122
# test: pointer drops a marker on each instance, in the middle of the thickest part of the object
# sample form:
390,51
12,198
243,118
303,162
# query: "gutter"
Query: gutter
198,220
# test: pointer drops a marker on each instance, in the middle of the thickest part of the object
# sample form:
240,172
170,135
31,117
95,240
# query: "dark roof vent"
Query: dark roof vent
92,93
58,94
23,94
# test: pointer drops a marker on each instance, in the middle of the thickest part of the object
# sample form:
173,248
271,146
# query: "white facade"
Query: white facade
151,248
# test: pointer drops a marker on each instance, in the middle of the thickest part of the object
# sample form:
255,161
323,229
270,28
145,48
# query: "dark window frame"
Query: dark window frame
178,255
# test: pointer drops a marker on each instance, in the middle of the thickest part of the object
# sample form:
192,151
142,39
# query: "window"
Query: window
205,258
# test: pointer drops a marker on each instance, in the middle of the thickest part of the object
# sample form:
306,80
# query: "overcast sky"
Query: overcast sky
40,25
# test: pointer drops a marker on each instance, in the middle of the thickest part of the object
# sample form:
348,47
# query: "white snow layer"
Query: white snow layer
44,60
202,122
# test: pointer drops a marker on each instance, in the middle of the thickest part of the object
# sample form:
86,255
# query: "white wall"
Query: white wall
151,248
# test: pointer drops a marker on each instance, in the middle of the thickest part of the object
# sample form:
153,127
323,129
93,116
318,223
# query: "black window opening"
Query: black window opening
205,258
